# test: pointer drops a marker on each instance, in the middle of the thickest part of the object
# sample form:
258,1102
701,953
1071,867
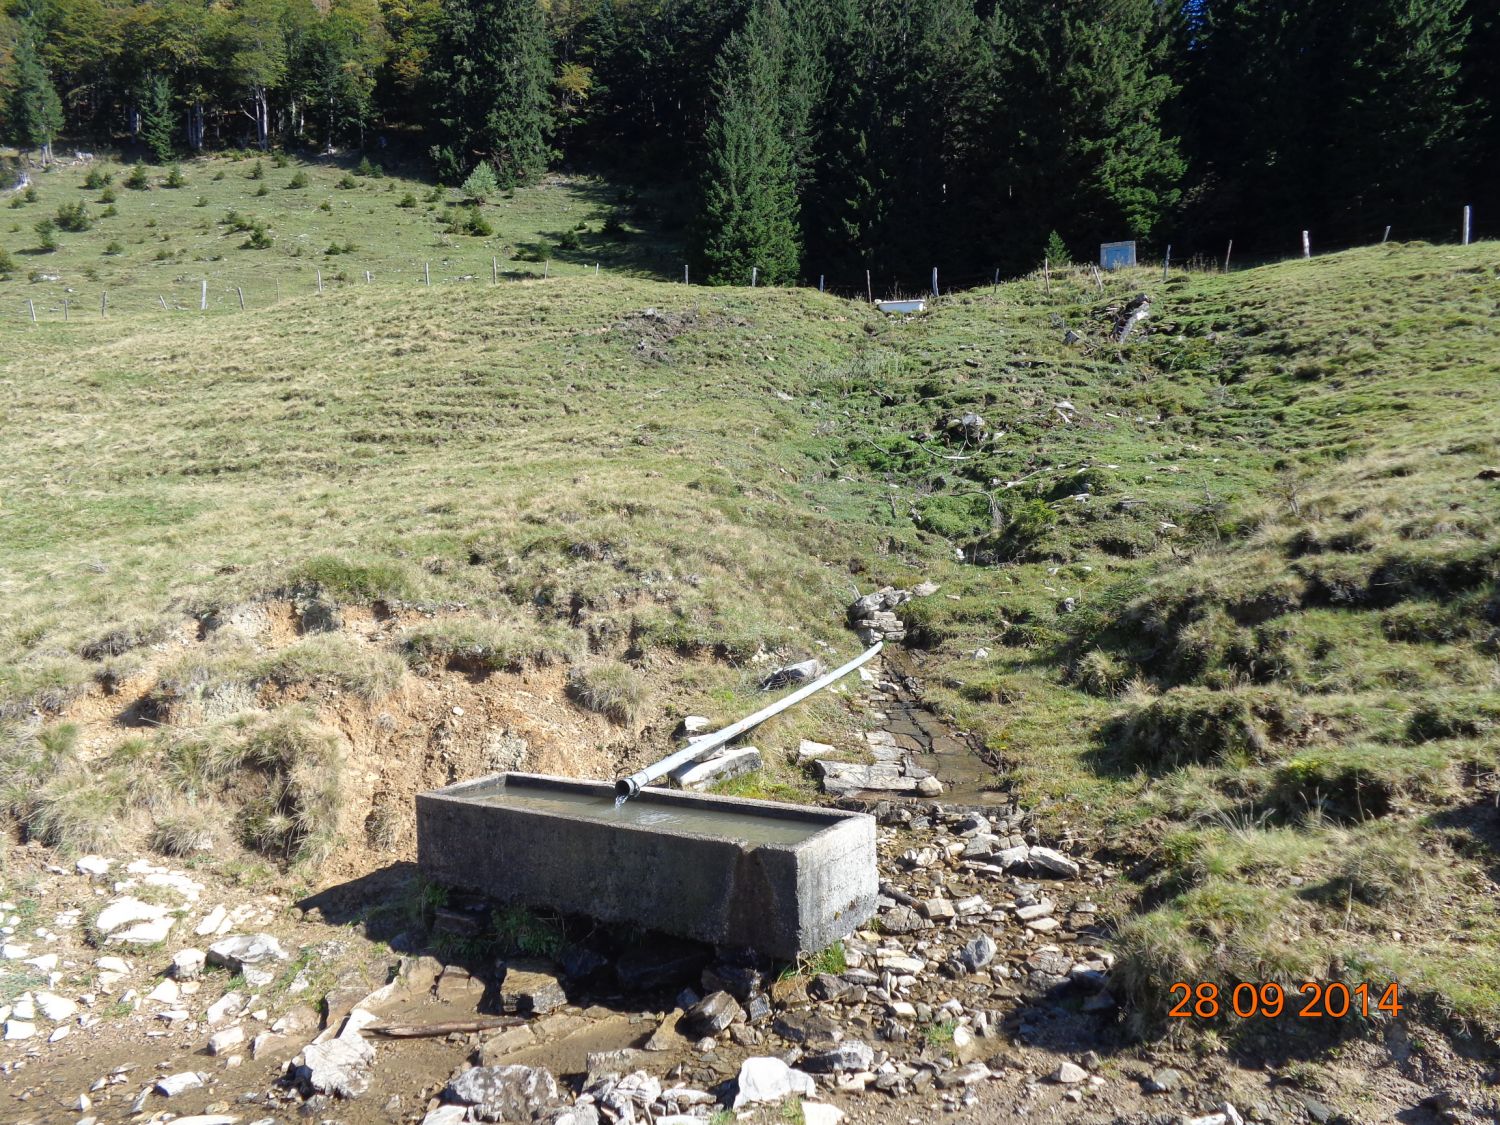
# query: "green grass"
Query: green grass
170,241
1237,583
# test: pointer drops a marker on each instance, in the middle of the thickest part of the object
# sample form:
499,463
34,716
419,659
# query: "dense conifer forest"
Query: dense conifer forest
809,138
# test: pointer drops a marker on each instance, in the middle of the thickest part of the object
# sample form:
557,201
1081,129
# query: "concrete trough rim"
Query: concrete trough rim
780,810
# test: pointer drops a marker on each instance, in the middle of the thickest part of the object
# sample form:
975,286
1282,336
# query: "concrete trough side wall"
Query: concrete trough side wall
780,899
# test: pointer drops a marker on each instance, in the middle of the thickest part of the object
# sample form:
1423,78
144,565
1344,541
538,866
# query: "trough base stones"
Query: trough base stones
777,879
504,1093
765,1080
529,988
254,956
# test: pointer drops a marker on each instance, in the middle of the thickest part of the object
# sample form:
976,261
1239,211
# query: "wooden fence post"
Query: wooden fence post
241,293
320,281
869,289
1466,224
1227,251
426,273
30,304
1384,238
65,310
202,297
104,303
163,301
754,273
1166,264
1047,274
1306,246
934,281
820,283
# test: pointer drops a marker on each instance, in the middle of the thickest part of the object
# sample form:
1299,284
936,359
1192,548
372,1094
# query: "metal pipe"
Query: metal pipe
700,747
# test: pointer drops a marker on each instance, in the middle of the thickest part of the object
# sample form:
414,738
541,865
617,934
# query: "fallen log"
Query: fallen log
445,1027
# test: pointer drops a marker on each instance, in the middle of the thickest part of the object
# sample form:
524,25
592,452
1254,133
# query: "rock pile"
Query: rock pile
873,616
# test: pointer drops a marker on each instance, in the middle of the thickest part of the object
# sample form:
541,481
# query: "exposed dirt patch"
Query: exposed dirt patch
431,730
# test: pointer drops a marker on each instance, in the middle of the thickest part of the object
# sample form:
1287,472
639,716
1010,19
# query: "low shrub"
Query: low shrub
260,238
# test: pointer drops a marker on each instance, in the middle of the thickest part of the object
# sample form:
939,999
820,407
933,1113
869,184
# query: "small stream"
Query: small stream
894,705
967,778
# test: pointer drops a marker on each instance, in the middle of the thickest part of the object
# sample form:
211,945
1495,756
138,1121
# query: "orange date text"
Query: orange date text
1309,1000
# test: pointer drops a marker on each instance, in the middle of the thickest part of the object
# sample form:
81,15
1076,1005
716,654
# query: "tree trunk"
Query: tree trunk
195,126
262,118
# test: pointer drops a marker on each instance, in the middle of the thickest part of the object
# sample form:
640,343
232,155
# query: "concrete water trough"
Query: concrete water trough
778,879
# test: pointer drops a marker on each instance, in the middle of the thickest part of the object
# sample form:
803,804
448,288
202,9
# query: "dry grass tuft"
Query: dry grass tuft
611,689
187,829
478,645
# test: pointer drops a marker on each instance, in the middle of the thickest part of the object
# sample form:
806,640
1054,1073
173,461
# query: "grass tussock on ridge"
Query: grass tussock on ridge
612,689
272,780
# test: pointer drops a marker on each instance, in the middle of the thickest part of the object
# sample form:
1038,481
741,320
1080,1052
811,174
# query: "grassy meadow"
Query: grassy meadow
266,226
1226,604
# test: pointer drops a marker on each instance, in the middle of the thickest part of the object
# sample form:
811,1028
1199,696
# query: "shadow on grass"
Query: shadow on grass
1473,827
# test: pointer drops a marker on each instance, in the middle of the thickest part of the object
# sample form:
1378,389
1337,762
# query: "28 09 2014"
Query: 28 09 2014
1312,999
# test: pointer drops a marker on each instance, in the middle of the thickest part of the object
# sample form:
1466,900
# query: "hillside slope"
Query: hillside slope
1226,606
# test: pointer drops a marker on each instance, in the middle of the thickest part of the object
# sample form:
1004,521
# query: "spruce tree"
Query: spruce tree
492,70
894,190
749,213
1392,145
33,111
849,204
155,100
1079,93
1339,116
1481,92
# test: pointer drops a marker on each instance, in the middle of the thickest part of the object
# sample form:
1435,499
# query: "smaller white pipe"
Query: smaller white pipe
706,744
